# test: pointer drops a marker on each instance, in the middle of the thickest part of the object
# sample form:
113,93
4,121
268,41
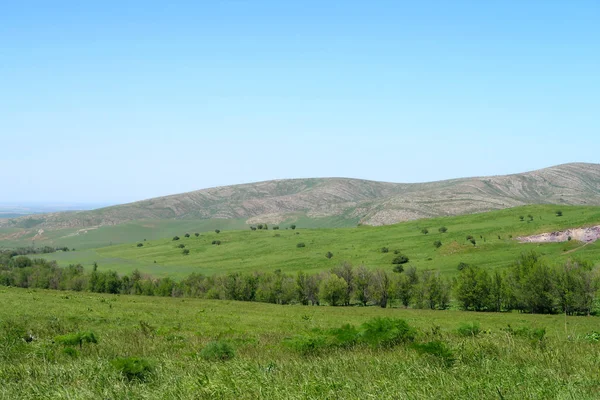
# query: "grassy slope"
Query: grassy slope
263,368
263,250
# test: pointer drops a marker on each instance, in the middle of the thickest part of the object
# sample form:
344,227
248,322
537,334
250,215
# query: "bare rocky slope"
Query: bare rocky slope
374,203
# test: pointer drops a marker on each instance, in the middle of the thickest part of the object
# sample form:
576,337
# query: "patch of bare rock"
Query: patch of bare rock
585,235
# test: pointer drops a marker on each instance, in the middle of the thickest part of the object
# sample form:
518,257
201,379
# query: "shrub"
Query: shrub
521,218
78,338
569,238
133,368
443,229
386,332
424,231
437,244
175,237
462,265
473,242
469,237
140,244
292,227
185,252
559,213
217,231
301,244
216,242
307,344
275,228
187,235
196,234
469,329
71,352
400,259
181,246
346,336
329,255
398,269
384,249
217,351
437,349
259,226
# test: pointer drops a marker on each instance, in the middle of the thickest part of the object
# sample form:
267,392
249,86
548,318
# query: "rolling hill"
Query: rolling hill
323,202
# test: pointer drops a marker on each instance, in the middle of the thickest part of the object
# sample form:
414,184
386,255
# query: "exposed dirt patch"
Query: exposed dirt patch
585,235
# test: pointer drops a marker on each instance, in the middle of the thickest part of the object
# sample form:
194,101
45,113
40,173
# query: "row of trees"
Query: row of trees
528,285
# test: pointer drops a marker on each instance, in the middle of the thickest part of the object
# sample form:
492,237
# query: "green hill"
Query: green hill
494,233
317,202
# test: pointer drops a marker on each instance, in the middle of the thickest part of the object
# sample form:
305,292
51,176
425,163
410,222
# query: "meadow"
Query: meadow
494,232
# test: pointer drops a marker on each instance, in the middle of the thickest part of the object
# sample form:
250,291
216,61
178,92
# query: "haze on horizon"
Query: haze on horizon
111,103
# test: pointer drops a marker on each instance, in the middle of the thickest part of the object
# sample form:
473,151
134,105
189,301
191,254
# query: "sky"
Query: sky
117,101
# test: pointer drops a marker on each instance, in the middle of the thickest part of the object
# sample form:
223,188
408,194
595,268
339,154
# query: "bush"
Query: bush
384,249
329,255
275,228
133,368
401,259
185,252
424,231
437,244
217,351
398,269
386,332
196,234
140,244
346,336
437,349
521,218
467,330
473,242
217,231
181,246
76,339
559,213
216,242
175,237
307,344
443,229
301,244
292,227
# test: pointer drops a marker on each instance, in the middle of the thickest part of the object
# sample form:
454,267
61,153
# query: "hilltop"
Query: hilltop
328,202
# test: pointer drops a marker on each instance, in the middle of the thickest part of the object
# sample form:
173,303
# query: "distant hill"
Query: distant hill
366,202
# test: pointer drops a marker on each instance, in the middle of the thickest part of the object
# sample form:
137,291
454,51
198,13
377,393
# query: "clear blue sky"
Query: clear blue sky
114,101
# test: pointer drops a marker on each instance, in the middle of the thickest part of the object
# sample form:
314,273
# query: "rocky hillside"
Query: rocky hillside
374,203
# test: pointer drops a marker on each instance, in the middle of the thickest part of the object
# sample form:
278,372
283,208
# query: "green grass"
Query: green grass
152,348
271,250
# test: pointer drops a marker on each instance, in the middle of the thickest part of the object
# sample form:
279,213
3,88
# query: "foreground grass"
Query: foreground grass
271,250
171,333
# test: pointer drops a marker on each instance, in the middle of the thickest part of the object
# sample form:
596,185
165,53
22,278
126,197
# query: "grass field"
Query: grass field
271,250
170,334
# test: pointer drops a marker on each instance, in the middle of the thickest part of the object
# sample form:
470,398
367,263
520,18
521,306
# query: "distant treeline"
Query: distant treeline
528,285
23,251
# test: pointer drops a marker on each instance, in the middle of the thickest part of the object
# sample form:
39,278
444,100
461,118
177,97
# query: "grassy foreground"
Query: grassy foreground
245,250
170,335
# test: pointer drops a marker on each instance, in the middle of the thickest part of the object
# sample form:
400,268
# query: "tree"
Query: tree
424,231
292,227
437,244
382,287
332,289
472,289
175,238
363,281
185,252
400,259
329,254
398,269
140,244
559,213
443,229
187,235
196,234
217,231
346,272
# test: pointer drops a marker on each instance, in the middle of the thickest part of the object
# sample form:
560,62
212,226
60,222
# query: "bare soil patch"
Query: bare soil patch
585,235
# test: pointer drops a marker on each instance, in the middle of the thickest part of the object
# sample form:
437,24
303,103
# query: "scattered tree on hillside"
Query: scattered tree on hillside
175,237
559,213
329,254
185,252
424,231
140,244
437,244
400,259
292,226
217,231
187,235
196,234
443,229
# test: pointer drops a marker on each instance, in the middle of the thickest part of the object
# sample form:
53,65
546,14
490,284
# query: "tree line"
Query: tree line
529,285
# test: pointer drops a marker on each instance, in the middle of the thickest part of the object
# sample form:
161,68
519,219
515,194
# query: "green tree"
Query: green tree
333,289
